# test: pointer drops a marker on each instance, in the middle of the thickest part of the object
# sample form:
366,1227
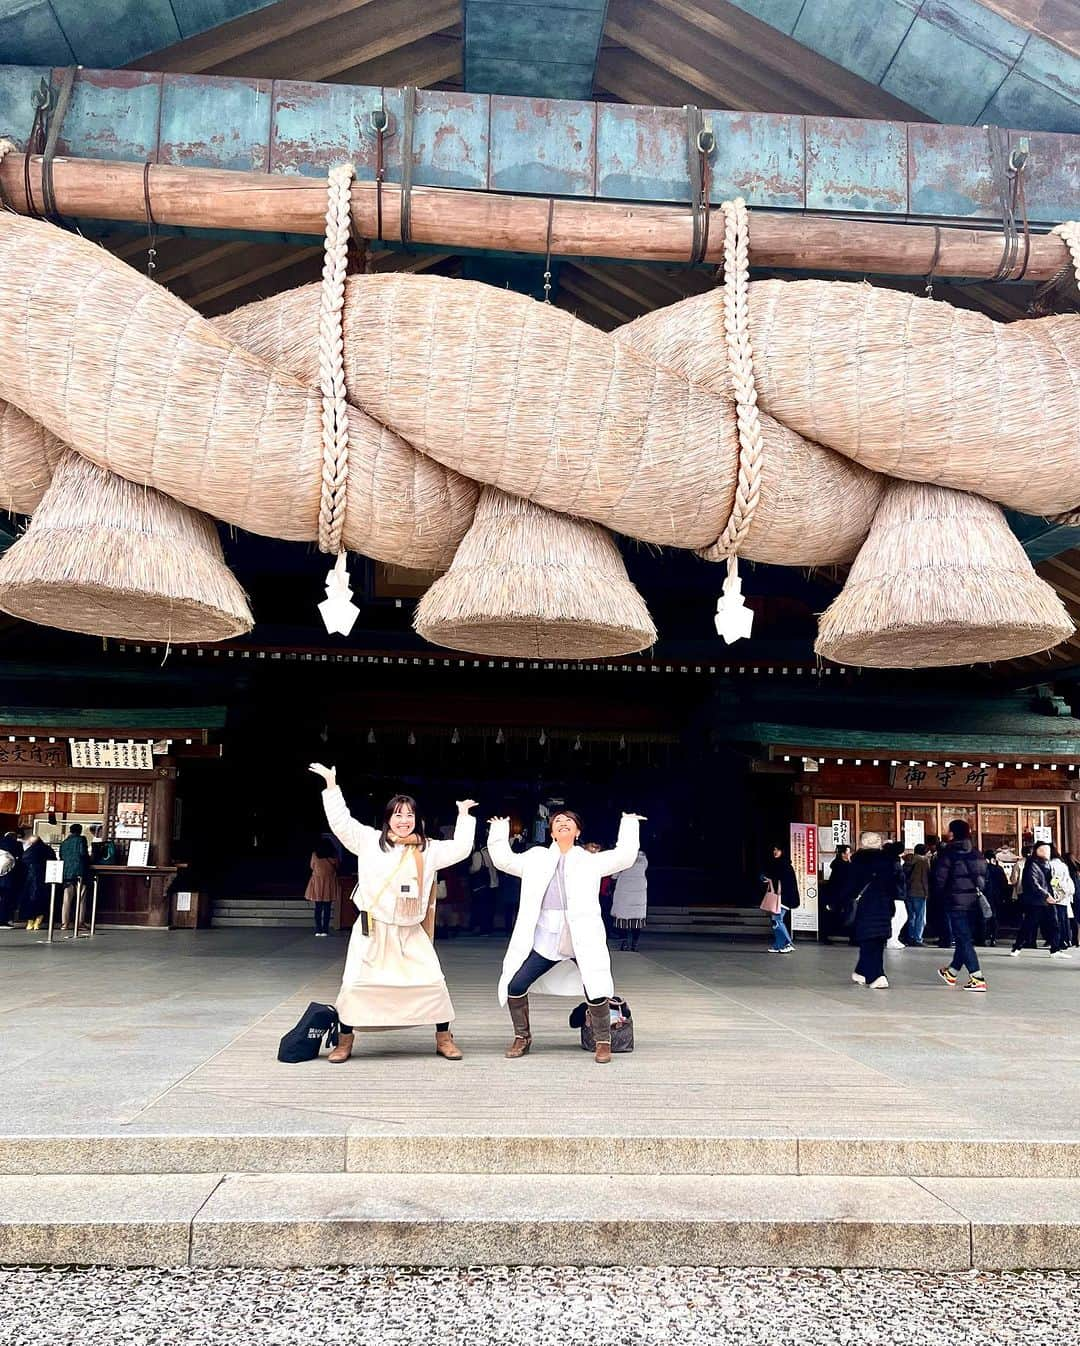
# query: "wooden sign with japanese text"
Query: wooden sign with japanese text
942,779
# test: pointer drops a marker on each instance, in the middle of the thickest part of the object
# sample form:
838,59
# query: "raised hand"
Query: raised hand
639,816
492,822
466,805
328,773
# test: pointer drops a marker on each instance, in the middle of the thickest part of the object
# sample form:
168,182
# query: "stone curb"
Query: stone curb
417,1219
364,1152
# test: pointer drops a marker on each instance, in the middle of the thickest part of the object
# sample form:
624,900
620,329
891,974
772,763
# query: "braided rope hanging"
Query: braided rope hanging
1069,231
338,611
732,614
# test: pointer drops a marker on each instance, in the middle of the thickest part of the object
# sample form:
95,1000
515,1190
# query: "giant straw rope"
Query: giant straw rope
764,419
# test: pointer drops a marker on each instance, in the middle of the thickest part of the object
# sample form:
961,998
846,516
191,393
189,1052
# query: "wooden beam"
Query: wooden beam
326,49
449,218
230,41
745,63
433,60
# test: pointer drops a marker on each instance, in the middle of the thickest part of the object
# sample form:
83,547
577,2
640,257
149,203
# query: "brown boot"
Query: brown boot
519,1017
600,1023
343,1050
446,1047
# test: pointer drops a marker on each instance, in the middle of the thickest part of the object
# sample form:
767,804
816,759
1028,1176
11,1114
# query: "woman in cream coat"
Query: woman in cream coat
393,978
559,945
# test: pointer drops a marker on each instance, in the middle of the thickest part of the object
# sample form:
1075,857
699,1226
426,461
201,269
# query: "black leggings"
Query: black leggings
439,1028
531,970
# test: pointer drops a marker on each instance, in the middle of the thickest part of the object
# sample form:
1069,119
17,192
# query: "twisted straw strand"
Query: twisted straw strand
335,418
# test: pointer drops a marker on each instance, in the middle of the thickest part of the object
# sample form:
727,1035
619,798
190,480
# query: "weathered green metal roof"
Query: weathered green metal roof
106,32
119,718
999,726
956,60
538,48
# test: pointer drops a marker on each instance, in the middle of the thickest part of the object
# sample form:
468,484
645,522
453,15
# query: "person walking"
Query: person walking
559,944
996,897
877,883
12,871
34,898
322,886
1074,870
1062,892
630,904
959,879
393,977
778,877
837,896
917,876
1036,896
76,857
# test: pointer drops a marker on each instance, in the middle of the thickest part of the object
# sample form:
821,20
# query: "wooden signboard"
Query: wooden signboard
942,779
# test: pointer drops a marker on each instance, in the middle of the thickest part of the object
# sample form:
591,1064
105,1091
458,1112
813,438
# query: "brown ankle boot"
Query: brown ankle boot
519,1017
343,1050
446,1047
600,1023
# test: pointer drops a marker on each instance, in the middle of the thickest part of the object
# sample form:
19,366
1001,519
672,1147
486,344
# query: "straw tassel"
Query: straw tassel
533,584
940,580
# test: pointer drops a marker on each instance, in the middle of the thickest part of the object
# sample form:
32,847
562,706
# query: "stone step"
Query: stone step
276,919
438,1219
241,904
362,1149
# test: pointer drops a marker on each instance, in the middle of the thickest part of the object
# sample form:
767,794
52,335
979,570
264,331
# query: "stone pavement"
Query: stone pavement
772,1114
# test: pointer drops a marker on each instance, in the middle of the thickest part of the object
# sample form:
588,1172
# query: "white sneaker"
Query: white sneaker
1061,953
1014,953
882,984
790,949
858,979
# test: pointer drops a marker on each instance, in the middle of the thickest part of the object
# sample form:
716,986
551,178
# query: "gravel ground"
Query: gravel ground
675,1306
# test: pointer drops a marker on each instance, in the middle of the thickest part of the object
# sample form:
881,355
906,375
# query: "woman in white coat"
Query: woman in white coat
631,902
393,978
559,945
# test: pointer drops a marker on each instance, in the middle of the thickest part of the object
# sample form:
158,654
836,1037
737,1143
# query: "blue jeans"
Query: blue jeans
916,918
964,954
780,937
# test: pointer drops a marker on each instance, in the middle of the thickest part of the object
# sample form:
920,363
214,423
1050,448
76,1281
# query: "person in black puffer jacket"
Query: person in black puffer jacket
876,887
959,877
1035,895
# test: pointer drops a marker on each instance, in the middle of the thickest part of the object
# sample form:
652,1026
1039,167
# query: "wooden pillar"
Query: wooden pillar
1070,817
162,812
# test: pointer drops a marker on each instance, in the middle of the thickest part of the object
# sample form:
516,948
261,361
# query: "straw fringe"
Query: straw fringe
110,558
535,585
940,580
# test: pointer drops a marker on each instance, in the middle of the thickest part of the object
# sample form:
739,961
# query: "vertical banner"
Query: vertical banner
804,861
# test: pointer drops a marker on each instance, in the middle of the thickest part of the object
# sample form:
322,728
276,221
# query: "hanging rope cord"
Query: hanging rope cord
1070,233
740,355
335,416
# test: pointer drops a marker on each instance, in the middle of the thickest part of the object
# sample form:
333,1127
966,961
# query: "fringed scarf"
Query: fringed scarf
409,905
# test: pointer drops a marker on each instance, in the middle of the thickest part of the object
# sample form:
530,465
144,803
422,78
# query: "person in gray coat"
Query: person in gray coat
631,902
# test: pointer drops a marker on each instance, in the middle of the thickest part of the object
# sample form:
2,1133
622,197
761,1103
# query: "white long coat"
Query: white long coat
392,977
584,869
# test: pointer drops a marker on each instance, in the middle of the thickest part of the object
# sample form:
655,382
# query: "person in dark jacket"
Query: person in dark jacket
959,877
877,884
34,899
837,896
917,875
779,873
11,880
76,857
997,896
1038,913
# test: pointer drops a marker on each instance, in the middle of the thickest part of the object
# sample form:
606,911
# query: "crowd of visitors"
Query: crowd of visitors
954,892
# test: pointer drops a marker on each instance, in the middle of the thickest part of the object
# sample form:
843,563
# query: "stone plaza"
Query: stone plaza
772,1114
